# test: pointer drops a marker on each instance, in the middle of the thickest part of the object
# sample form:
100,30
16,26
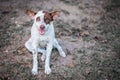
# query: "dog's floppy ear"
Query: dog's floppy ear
31,13
55,14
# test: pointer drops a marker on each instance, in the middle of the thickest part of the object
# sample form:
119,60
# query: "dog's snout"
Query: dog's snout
42,27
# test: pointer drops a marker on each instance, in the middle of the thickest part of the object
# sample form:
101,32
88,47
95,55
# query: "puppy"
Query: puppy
43,38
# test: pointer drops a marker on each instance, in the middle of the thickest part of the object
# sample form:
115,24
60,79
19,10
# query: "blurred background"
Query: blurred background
87,30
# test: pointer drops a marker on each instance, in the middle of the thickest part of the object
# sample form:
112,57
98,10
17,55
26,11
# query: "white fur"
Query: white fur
36,43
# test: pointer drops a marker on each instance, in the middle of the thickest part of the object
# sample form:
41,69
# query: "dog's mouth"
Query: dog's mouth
42,30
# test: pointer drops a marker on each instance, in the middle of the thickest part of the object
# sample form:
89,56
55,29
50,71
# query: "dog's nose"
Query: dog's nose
42,27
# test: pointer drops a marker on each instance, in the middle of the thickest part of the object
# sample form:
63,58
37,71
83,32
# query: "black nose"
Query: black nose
42,27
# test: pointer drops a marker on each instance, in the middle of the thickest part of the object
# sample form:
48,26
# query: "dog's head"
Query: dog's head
43,19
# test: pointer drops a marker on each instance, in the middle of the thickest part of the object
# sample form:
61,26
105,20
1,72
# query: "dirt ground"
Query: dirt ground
87,30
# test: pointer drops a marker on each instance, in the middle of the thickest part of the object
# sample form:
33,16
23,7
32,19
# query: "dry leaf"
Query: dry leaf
84,33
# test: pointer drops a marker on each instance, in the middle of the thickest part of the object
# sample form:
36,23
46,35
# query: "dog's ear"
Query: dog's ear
31,13
55,14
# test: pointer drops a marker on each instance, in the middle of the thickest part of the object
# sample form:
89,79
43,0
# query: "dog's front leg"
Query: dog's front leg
35,60
47,61
35,63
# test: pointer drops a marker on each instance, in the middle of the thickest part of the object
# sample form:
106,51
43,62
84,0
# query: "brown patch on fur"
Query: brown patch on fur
50,16
47,17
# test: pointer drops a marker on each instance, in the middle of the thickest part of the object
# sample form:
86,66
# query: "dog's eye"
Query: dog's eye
47,21
38,19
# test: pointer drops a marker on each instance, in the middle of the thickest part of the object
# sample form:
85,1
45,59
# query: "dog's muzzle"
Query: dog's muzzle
42,29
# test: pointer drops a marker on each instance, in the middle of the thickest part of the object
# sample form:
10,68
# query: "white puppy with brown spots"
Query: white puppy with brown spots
43,38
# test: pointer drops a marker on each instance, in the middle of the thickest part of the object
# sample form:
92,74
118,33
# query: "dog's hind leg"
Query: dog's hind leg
28,45
56,45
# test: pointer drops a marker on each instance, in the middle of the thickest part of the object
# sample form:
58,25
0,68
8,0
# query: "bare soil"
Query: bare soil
87,30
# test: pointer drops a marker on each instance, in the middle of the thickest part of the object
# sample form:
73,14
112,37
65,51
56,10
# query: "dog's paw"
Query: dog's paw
63,54
47,71
34,71
43,57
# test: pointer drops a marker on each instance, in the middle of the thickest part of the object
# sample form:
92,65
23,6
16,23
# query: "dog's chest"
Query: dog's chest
43,41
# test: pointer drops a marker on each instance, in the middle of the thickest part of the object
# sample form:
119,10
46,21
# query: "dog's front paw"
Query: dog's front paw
47,71
34,71
63,54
